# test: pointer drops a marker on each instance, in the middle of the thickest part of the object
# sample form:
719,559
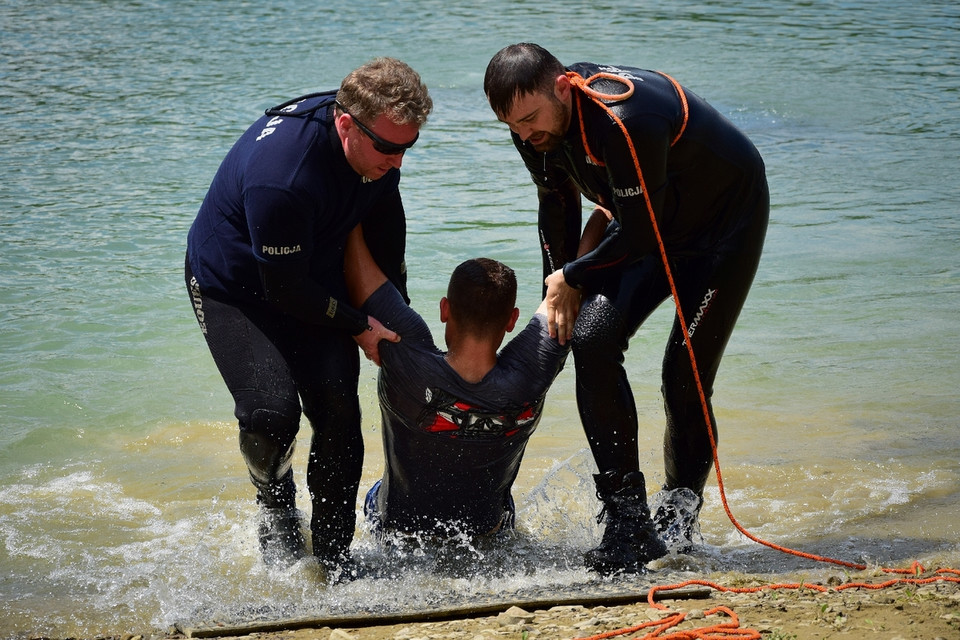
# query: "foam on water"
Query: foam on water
127,562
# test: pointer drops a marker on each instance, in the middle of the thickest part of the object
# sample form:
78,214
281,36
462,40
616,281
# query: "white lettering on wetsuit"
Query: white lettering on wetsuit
280,251
623,73
629,192
275,120
704,305
198,303
270,128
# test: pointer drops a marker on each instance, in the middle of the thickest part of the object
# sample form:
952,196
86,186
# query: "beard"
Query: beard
550,139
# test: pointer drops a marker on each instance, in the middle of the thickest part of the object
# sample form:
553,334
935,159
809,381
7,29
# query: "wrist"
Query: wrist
361,323
571,275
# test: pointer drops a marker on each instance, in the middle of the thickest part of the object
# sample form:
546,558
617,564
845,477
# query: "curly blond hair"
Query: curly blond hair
386,86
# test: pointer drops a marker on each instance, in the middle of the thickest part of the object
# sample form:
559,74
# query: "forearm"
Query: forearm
594,230
362,274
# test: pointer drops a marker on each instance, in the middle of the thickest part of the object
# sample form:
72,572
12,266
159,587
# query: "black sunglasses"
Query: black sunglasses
385,147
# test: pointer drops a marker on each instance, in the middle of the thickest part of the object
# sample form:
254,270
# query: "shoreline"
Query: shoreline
865,604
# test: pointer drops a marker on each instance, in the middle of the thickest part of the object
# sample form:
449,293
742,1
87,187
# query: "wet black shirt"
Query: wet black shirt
452,448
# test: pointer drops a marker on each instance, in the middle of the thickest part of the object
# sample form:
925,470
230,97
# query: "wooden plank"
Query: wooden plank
360,620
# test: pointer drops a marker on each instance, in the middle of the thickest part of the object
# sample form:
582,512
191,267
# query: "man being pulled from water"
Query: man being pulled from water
455,424
265,275
656,152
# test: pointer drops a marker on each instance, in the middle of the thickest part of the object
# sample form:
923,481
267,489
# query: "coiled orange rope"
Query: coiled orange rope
730,629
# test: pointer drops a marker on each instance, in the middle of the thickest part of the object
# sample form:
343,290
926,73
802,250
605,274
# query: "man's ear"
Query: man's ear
444,309
343,123
561,88
513,319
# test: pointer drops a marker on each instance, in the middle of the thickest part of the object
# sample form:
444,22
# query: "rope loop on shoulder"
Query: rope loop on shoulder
600,98
584,85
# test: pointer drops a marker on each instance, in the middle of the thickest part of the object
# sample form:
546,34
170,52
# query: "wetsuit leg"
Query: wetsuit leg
327,370
271,364
712,290
266,404
608,318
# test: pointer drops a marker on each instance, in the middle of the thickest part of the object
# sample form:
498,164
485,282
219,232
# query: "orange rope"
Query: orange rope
719,631
732,628
915,569
683,104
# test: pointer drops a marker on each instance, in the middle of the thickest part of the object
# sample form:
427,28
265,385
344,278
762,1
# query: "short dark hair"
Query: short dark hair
518,70
482,294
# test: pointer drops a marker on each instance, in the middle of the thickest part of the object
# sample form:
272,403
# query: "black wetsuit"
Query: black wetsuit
265,275
452,448
709,194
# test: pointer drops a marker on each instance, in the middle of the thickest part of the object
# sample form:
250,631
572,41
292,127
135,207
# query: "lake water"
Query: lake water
124,503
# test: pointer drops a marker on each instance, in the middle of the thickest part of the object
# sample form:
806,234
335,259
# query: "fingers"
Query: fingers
563,305
380,332
558,324
552,320
562,327
369,340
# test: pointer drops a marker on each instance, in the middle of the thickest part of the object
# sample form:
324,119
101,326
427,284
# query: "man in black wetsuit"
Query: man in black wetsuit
689,169
455,423
264,271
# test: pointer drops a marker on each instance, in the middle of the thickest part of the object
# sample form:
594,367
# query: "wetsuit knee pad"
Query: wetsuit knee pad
267,440
267,459
267,414
599,326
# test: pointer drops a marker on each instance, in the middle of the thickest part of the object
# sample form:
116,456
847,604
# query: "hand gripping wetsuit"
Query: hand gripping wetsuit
265,274
452,449
709,195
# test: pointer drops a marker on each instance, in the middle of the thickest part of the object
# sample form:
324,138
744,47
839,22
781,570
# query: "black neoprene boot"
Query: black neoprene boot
629,540
331,536
281,537
279,530
676,518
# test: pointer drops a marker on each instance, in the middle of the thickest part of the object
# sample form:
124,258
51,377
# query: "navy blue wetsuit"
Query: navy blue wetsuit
452,449
264,271
709,195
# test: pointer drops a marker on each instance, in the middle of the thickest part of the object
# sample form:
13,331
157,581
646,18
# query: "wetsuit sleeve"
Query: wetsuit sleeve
559,217
387,305
534,357
559,212
280,228
633,238
287,287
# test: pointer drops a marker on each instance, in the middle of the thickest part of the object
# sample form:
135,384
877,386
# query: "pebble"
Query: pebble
514,615
586,624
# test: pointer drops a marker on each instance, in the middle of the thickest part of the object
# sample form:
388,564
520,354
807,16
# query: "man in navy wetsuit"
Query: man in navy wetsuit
689,169
455,423
264,271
